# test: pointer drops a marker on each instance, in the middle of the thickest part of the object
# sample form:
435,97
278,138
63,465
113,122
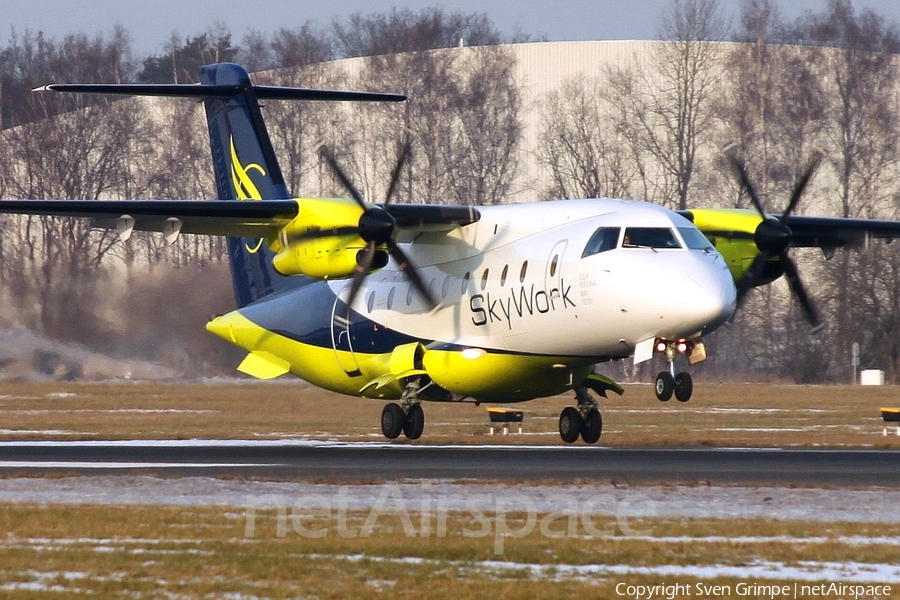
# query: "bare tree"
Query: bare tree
482,157
297,129
581,144
688,67
402,30
301,46
860,76
54,266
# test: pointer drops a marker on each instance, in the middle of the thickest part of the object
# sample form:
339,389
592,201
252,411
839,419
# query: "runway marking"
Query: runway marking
47,464
314,443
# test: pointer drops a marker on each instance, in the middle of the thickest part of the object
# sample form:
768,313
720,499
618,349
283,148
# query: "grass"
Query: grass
83,550
151,552
718,415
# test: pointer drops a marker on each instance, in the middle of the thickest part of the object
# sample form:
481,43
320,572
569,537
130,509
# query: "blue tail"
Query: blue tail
246,169
245,164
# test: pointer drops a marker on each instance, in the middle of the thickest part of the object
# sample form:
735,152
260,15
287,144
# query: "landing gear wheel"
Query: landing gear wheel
414,424
570,423
392,421
665,386
591,427
684,387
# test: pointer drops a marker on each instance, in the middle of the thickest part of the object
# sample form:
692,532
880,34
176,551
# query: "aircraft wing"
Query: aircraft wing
827,233
256,219
213,217
834,232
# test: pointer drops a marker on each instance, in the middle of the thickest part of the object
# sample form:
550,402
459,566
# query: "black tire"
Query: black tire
570,424
684,387
665,386
392,421
592,427
414,424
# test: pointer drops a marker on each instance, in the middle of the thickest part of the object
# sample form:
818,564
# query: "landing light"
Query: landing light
682,347
473,353
661,346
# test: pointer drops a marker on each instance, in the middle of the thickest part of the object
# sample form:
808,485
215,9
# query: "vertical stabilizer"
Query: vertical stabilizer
246,169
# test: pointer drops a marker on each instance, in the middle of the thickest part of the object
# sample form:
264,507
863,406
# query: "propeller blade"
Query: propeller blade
395,174
793,278
741,170
359,274
329,158
802,182
409,269
745,283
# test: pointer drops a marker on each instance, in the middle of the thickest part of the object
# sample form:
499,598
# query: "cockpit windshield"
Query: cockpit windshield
694,239
605,238
608,238
650,237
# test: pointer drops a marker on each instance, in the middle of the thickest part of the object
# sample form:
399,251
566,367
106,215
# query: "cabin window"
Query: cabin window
484,278
605,238
553,265
694,238
445,289
650,237
390,298
465,282
503,275
409,295
370,303
523,272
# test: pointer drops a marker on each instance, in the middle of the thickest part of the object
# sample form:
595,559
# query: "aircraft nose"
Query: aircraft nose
709,297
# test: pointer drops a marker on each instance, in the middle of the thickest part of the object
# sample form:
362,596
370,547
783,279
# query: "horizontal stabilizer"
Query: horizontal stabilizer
201,91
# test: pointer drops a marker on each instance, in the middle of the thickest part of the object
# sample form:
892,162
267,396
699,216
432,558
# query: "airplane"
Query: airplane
411,302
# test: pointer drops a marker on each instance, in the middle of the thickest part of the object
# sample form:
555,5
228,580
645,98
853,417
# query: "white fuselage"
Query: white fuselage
520,280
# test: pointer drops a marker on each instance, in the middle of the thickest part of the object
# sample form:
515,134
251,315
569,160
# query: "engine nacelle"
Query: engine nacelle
299,251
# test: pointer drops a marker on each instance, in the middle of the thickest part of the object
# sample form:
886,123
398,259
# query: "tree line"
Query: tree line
826,81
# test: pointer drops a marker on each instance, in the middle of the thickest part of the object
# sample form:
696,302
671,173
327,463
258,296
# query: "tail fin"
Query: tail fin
245,168
243,157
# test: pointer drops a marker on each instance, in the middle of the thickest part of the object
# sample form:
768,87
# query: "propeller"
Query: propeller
773,238
376,227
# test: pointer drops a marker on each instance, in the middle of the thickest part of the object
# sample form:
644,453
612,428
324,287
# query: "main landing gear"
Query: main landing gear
407,417
583,421
668,382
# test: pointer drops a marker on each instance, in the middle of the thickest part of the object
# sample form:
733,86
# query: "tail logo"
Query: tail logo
244,188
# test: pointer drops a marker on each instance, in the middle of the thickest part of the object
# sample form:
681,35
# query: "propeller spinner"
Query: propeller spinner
376,227
773,238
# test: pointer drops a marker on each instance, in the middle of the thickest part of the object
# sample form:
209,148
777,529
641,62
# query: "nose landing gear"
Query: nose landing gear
668,383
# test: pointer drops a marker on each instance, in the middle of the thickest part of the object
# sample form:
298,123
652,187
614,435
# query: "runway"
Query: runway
373,462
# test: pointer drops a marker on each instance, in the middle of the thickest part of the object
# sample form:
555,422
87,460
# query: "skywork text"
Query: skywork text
521,302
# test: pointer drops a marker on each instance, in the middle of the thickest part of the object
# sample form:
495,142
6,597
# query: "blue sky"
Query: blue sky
151,22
